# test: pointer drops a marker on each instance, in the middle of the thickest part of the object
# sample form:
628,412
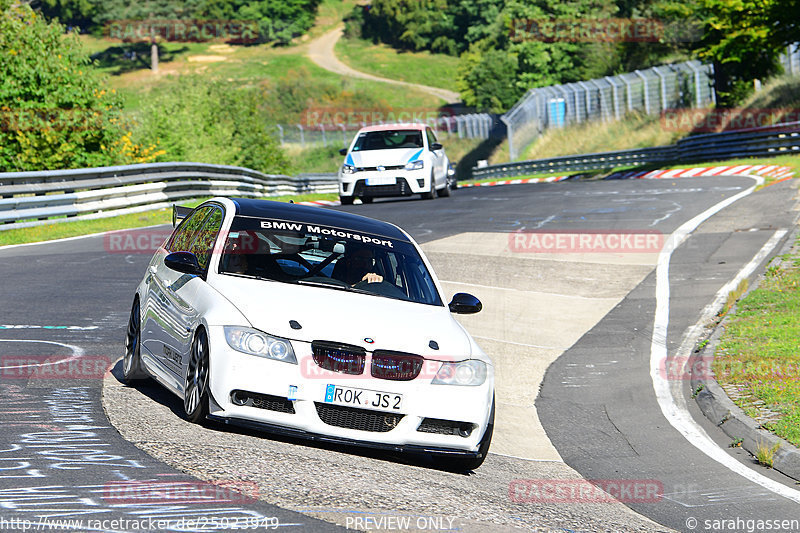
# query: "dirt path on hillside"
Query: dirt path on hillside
321,52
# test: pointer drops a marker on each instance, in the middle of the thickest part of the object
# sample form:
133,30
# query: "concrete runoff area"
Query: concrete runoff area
535,306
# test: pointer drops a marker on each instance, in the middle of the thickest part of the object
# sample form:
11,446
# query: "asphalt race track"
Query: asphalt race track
570,331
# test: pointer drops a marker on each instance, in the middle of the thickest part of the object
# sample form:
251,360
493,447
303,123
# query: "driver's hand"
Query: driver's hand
372,278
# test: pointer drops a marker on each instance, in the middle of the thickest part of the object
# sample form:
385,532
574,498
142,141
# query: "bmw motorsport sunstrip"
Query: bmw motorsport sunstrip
315,323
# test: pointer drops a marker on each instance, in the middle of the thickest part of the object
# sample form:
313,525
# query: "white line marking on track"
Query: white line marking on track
571,296
29,326
100,234
677,414
521,343
527,458
77,351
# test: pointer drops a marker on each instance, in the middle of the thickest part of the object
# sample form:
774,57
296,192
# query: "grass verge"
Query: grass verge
757,356
434,70
76,228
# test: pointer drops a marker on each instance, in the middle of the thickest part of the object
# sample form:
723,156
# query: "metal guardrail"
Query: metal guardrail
767,141
34,198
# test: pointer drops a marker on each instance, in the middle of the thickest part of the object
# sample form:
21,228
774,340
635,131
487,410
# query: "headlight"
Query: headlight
348,169
419,164
470,373
254,342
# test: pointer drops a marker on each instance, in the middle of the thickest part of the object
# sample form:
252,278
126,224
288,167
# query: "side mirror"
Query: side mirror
343,151
465,304
436,146
185,262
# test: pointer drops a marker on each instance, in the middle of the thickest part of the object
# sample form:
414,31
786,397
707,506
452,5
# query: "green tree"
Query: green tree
198,119
743,38
54,112
487,79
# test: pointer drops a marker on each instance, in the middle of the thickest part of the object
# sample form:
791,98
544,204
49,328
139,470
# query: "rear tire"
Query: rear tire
346,200
132,360
445,191
195,390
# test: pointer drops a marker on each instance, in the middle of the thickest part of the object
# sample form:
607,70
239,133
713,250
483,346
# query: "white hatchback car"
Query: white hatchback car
314,323
394,160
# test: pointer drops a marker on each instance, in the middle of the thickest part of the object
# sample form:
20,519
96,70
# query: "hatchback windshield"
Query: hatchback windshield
388,139
334,258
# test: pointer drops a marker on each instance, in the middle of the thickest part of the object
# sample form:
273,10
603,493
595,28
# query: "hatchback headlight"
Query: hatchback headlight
419,164
348,169
254,342
469,373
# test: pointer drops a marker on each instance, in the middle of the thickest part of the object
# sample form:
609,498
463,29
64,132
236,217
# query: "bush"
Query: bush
54,113
207,121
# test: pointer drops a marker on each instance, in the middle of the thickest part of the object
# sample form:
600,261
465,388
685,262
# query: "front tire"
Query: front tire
472,463
195,391
431,194
132,360
366,199
346,200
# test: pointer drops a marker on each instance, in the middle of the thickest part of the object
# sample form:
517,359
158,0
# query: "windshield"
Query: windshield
388,139
328,257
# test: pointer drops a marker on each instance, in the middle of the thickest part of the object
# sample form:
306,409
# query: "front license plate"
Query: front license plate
382,180
363,398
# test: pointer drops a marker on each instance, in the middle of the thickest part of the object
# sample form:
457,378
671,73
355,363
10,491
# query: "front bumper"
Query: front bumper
401,183
304,412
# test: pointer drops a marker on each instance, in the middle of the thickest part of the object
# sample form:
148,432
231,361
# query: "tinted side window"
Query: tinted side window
184,235
203,244
431,137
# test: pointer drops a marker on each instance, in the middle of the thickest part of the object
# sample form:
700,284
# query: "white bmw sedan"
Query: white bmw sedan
394,160
314,323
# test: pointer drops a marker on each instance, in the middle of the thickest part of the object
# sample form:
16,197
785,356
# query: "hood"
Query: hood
340,316
392,157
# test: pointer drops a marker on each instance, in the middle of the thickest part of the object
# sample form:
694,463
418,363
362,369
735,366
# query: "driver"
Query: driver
359,266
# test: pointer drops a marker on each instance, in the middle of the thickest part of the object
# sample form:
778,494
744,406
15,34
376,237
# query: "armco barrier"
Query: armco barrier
33,198
768,141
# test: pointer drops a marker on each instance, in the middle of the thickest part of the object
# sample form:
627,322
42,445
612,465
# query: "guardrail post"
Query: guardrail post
663,84
698,98
302,136
587,100
615,96
644,88
280,129
324,138
512,154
